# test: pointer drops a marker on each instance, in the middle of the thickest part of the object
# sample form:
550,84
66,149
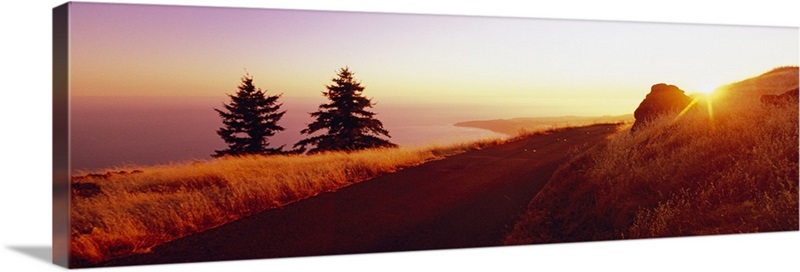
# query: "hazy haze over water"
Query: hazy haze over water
118,131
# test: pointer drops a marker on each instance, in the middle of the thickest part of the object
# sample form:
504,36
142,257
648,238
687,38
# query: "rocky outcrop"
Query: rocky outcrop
662,100
790,97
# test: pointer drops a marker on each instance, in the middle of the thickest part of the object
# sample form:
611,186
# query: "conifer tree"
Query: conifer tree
347,123
249,119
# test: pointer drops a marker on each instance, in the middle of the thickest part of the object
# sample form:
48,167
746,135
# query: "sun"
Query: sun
704,95
706,90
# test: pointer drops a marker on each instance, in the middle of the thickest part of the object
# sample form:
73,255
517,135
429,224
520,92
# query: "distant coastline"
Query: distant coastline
514,126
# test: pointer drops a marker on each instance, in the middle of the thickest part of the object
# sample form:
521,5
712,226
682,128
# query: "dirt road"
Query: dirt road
467,200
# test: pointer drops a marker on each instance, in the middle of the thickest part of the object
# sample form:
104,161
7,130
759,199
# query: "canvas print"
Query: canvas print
189,134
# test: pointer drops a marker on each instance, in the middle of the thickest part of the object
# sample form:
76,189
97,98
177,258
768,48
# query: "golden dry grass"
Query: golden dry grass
136,212
734,173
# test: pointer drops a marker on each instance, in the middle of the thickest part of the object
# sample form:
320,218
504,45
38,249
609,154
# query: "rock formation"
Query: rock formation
782,99
663,99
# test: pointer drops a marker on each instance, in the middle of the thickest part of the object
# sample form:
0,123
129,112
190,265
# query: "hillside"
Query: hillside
775,81
128,211
465,200
728,166
515,126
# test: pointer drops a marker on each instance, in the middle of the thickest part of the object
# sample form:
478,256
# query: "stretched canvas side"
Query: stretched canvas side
61,134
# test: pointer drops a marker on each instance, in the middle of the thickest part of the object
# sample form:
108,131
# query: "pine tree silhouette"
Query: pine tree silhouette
348,125
249,119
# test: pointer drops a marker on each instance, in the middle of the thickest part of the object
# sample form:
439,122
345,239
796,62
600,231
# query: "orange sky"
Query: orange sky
580,67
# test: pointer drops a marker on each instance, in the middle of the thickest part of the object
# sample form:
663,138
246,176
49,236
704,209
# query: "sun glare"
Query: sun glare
703,95
706,90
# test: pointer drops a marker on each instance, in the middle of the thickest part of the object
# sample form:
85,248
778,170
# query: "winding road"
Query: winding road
468,200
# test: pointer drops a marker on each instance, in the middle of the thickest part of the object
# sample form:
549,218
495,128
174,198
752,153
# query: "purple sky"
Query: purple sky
579,67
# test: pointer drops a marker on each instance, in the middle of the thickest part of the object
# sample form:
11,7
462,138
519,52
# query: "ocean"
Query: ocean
109,132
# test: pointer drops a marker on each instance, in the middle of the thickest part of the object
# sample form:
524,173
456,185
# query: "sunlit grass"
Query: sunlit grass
137,211
730,169
707,102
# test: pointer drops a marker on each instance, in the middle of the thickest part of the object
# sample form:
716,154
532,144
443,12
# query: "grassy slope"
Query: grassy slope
137,211
734,173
